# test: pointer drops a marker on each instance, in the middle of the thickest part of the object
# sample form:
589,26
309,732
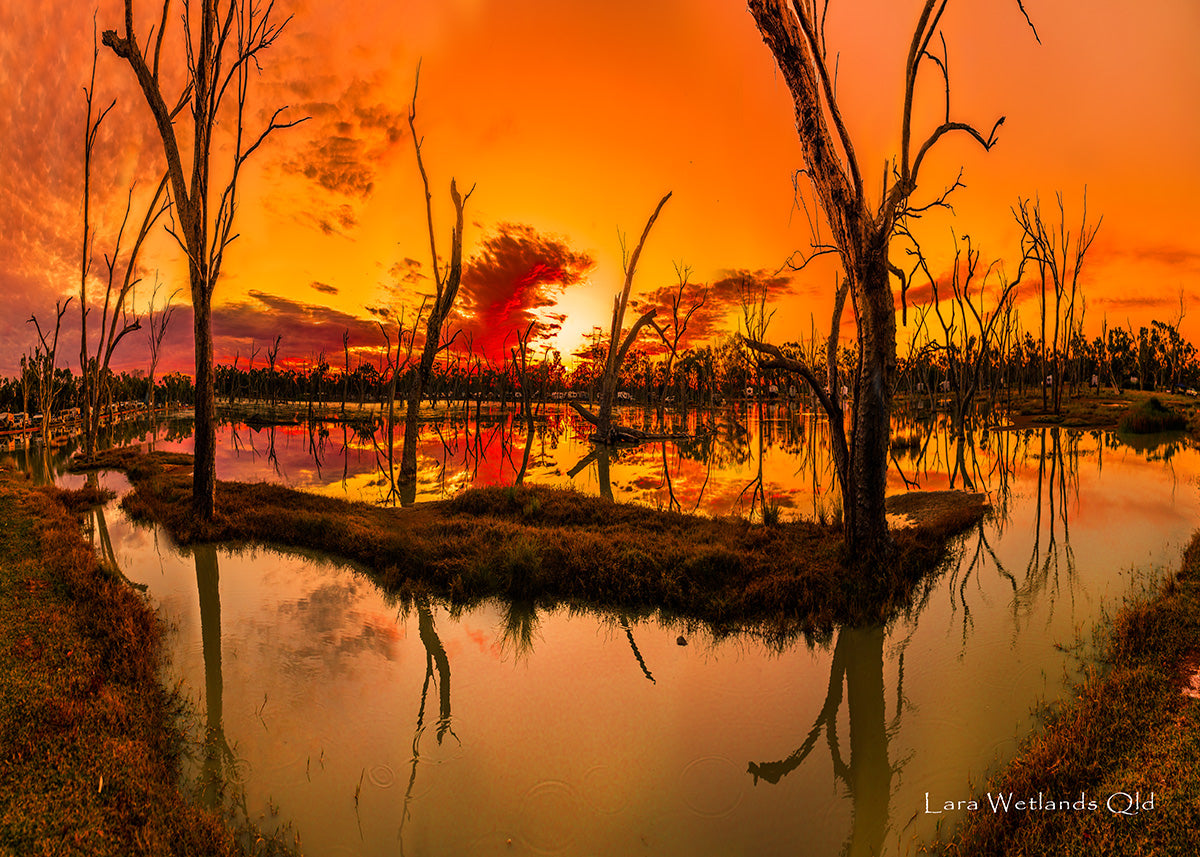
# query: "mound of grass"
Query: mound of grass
1151,417
552,545
1127,727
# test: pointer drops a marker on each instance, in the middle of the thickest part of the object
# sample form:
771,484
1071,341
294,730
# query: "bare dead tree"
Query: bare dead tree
395,361
272,356
158,319
861,233
346,370
678,327
44,354
968,321
1059,265
251,395
223,44
116,318
618,347
446,283
520,357
91,130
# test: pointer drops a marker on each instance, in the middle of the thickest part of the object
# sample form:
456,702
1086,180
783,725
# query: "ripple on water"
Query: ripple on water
549,816
381,776
604,789
436,746
712,786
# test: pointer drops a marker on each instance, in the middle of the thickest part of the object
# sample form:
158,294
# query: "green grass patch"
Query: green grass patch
1152,417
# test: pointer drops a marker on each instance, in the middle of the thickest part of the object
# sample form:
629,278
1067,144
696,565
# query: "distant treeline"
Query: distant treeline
1153,358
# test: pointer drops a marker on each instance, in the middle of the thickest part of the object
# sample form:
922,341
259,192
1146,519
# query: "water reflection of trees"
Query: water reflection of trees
437,671
1042,465
218,761
856,670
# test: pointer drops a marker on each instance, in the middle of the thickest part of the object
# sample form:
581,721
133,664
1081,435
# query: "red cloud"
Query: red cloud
516,278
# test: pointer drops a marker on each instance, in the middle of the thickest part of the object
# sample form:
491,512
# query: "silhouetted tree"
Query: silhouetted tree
223,43
618,347
446,284
861,235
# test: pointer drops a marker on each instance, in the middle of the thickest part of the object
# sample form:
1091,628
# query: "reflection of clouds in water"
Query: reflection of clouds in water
327,629
325,608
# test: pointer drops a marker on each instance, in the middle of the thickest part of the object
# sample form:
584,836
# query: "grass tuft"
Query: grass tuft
1152,417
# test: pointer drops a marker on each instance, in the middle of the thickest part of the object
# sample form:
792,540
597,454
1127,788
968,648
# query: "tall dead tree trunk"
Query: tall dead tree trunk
446,285
223,46
116,321
861,233
618,347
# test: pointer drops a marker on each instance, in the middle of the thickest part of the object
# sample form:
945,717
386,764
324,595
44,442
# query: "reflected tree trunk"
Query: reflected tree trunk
856,667
525,455
216,751
870,771
435,660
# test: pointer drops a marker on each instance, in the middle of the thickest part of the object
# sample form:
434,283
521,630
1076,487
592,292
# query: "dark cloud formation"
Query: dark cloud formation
405,273
344,141
307,329
722,310
1138,302
324,287
515,278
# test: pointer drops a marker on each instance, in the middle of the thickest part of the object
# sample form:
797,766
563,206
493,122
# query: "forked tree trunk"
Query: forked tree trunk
859,232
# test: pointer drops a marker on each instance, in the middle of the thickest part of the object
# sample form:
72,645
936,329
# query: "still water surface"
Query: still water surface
379,728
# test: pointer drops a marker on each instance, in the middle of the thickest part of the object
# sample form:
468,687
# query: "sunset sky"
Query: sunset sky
572,118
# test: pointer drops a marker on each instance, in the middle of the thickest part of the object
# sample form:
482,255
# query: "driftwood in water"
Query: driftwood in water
621,434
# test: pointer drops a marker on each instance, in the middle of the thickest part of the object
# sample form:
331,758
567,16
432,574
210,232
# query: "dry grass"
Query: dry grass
555,545
89,758
1128,727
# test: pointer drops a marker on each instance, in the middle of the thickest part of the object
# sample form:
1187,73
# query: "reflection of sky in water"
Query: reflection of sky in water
571,745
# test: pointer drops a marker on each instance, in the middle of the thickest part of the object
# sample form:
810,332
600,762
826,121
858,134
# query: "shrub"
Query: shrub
1152,417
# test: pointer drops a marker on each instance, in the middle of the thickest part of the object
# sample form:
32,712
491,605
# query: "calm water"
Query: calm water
378,728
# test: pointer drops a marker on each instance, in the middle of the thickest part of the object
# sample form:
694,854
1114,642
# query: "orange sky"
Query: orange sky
572,119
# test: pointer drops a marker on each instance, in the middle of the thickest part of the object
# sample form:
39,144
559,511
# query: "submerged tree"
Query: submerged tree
223,43
861,230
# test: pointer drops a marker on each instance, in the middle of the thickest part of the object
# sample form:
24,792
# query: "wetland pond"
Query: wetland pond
374,727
